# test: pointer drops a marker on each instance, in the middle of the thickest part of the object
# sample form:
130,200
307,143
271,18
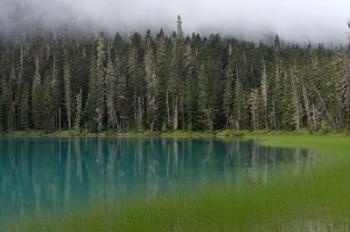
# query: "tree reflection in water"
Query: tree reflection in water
53,174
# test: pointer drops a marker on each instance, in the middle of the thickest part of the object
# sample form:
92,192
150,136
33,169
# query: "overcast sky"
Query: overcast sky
294,20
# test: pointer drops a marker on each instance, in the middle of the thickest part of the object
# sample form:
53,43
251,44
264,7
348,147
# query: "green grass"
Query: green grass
228,133
111,133
317,199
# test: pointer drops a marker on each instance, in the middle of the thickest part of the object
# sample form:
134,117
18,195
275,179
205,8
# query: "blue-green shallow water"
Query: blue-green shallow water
52,175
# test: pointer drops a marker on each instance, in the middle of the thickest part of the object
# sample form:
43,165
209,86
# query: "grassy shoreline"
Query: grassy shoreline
175,134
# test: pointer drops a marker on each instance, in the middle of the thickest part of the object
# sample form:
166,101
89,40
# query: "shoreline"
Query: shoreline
174,134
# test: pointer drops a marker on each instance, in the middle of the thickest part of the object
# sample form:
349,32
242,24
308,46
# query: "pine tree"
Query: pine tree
56,93
307,106
277,98
121,94
239,104
150,72
139,116
177,74
67,90
190,92
92,101
205,107
263,91
297,115
24,107
346,88
228,96
7,105
276,86
286,104
336,75
78,109
162,80
213,56
136,81
254,103
37,96
101,79
47,112
111,84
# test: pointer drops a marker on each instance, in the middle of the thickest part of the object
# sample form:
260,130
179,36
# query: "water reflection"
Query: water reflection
56,173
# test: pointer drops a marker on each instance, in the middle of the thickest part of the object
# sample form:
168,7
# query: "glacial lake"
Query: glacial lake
54,175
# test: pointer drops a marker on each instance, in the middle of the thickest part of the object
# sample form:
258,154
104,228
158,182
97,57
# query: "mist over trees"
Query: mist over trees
169,82
298,21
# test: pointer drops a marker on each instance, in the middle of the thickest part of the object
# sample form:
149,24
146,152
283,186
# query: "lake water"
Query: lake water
57,174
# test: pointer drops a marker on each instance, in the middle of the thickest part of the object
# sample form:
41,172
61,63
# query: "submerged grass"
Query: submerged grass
316,200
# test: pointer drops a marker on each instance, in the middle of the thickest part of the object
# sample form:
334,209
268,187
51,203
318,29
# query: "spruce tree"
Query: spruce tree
162,68
78,109
177,74
37,96
150,75
239,104
254,102
205,107
121,95
264,100
190,91
101,59
136,82
67,90
111,85
228,96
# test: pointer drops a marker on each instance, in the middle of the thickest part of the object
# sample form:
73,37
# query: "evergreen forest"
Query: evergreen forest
161,82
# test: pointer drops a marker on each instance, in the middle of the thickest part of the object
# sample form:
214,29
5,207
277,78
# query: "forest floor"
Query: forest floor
316,199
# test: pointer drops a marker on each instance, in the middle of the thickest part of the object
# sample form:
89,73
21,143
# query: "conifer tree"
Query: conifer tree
92,101
101,60
67,90
136,81
78,109
346,87
177,73
254,103
297,115
47,112
121,94
190,92
24,107
263,90
150,74
37,96
162,82
7,111
228,96
111,85
205,106
239,104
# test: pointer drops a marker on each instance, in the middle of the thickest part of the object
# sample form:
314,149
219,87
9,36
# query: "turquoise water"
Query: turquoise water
53,175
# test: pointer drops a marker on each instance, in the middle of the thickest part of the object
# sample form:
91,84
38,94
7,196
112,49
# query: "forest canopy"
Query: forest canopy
170,82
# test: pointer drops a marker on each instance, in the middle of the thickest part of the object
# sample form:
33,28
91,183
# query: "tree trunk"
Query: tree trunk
168,108
307,108
176,113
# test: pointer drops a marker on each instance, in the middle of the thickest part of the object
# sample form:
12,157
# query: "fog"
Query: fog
302,21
